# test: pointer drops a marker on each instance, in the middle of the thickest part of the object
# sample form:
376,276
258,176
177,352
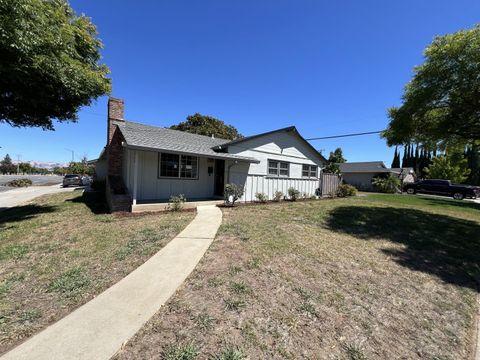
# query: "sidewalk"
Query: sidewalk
98,329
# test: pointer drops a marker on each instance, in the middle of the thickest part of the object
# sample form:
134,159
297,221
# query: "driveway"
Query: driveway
19,196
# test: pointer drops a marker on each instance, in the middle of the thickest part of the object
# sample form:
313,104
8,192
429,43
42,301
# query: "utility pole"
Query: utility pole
73,154
18,163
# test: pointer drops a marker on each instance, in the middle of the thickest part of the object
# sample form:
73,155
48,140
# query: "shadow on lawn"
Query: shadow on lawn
25,212
95,201
444,246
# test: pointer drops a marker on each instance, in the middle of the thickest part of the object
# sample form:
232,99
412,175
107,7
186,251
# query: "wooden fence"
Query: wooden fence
329,183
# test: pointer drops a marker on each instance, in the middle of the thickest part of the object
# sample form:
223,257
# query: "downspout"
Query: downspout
228,170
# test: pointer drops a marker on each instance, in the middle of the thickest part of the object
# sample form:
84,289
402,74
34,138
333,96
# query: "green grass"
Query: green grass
230,352
71,283
180,352
232,304
62,250
370,277
239,287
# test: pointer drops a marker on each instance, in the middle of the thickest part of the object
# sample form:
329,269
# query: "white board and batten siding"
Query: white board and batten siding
150,187
281,146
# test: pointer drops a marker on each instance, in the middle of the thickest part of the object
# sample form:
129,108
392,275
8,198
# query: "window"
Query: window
278,168
309,171
178,166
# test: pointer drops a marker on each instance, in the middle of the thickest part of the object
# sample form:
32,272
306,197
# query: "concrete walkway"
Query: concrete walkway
98,329
19,196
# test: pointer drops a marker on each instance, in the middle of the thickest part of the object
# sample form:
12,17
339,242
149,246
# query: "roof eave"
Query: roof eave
213,156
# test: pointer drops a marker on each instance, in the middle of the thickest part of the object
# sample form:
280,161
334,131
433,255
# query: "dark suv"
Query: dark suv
443,187
72,179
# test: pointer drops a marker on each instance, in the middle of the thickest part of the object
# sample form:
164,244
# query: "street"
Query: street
19,196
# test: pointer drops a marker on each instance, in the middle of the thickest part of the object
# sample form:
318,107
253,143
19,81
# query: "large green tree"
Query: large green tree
335,158
207,125
6,165
441,104
450,166
49,63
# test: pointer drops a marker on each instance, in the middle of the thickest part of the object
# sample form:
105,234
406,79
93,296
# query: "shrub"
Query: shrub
332,194
176,202
261,197
293,194
278,196
20,183
345,190
389,184
232,193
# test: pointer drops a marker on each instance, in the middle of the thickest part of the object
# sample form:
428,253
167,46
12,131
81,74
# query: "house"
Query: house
144,164
361,174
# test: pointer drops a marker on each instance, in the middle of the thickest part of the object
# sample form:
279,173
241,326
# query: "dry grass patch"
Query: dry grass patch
379,277
56,254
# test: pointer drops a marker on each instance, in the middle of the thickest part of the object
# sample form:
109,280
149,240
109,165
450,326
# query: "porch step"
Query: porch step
151,207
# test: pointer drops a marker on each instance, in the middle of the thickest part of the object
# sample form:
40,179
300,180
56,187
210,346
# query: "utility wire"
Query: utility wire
345,135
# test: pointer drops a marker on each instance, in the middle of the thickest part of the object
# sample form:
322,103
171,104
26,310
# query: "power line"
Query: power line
345,135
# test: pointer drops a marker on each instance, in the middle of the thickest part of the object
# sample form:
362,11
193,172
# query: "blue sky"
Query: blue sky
327,67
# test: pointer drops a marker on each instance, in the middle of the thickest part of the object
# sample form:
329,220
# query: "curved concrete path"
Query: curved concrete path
98,329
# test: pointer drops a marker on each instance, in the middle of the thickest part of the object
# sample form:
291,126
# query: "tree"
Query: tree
6,165
337,156
451,166
387,184
396,159
49,65
404,158
440,104
207,125
473,159
25,168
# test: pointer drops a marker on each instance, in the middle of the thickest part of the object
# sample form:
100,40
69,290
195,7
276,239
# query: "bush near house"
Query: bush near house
231,193
389,184
345,190
278,196
261,197
293,194
176,202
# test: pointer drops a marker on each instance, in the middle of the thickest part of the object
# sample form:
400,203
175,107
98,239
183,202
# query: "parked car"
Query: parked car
72,179
86,180
443,187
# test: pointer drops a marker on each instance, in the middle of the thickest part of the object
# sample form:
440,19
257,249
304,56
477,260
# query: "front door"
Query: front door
219,177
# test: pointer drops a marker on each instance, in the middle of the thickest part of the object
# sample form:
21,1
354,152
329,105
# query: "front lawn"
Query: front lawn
375,277
61,251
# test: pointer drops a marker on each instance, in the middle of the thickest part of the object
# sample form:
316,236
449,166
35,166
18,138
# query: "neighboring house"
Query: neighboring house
360,174
147,164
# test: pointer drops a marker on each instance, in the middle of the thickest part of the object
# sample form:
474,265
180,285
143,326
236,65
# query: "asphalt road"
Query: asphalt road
37,180
21,196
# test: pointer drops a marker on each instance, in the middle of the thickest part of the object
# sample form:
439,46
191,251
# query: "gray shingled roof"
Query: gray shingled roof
363,167
158,138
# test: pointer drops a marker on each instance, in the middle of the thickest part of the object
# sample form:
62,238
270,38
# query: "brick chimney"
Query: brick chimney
115,113
114,138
